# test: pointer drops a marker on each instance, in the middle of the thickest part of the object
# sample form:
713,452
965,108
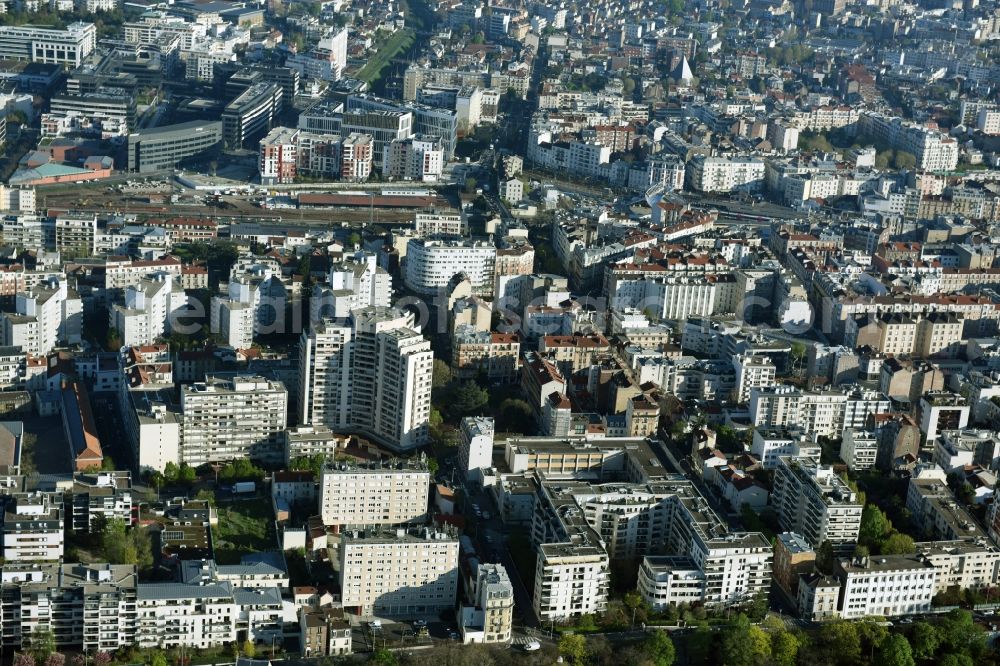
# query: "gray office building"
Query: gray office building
164,147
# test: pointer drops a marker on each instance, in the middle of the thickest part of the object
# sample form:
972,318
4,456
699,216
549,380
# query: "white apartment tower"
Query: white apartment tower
813,501
231,416
148,309
44,316
369,374
475,446
357,282
375,494
399,574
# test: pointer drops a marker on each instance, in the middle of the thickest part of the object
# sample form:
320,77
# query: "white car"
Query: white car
532,646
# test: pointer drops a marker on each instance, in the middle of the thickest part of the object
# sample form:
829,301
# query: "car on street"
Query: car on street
532,646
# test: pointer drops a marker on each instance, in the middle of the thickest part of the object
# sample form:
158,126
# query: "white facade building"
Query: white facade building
475,445
399,574
430,265
886,586
858,449
369,374
355,494
231,416
816,503
149,309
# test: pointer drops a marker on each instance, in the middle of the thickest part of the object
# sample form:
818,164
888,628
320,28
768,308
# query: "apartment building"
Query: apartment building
489,619
325,632
670,579
885,586
443,224
121,272
44,316
286,153
355,493
824,413
859,449
232,415
325,61
253,303
356,282
963,564
33,527
769,444
431,265
942,410
498,355
812,501
101,496
149,310
357,156
278,156
170,615
88,606
69,46
572,353
934,508
752,372
419,157
390,399
934,150
475,444
955,449
311,440
724,174
399,574
112,114
571,579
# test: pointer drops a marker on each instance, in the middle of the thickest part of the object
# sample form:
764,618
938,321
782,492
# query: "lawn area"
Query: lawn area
245,526
398,42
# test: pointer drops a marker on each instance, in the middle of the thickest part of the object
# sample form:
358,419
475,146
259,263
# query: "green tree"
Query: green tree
956,659
186,474
466,398
636,606
158,659
895,651
758,607
924,640
959,633
441,374
42,643
784,648
470,185
904,160
574,648
249,649
897,543
825,558
872,634
660,648
515,416
383,657
314,463
875,526
797,354
744,644
838,641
